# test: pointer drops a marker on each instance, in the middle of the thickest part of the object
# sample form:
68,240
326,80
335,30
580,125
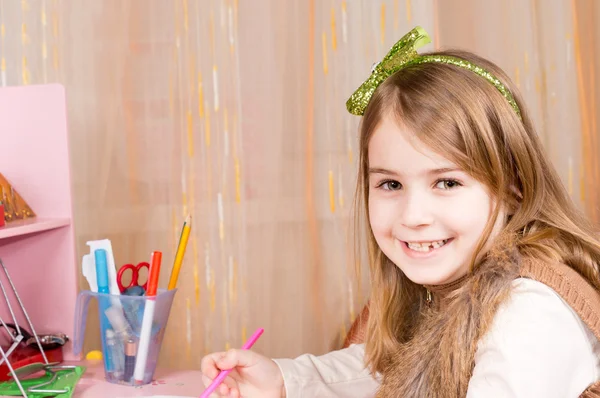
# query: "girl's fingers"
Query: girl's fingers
236,357
224,387
224,390
208,365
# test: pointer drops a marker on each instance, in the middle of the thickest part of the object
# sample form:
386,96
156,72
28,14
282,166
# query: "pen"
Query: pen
103,287
223,374
144,345
101,271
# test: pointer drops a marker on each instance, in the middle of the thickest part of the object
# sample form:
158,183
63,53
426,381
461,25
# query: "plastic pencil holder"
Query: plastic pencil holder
131,329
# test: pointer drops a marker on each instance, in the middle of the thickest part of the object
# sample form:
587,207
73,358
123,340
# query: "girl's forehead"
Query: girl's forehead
393,144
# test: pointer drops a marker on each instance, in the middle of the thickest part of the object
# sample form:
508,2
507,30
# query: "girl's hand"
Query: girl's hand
252,375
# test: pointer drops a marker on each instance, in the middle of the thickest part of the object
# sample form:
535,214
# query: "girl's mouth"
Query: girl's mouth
427,247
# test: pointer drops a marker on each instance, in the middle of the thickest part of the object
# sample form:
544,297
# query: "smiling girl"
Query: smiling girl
485,278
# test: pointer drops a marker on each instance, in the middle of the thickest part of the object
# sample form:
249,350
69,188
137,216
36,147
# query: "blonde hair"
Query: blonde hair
464,118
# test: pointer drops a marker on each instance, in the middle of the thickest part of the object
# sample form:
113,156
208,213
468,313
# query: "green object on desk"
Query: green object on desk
56,382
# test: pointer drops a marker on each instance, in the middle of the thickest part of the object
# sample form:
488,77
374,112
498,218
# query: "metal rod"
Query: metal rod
50,368
37,339
10,350
12,371
6,327
12,313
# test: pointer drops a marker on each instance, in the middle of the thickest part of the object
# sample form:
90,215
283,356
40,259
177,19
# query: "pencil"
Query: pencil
223,374
183,239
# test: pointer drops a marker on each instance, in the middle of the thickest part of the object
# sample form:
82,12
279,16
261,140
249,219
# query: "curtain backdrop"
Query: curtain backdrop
234,112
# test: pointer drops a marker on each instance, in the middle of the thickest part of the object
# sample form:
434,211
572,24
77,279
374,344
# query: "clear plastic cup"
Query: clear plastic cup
132,329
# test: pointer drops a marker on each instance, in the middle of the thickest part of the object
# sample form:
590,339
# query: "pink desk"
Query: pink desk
167,383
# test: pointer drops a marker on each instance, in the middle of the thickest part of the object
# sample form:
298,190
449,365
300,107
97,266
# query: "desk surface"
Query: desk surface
167,384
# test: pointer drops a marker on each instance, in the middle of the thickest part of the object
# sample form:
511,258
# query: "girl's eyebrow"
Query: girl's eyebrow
444,170
379,170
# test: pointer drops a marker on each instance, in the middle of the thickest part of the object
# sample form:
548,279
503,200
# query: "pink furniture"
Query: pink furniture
166,384
39,253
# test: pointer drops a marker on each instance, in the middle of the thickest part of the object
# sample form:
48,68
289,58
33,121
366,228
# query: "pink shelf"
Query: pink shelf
39,253
32,225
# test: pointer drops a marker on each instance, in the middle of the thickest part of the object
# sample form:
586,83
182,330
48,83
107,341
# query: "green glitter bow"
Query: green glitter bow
404,53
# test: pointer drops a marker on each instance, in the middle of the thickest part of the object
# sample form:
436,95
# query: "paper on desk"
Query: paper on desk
165,396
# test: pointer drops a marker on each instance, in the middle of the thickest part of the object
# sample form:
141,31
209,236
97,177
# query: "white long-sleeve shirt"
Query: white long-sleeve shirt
537,347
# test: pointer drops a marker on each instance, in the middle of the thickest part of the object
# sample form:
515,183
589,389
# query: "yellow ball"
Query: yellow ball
93,355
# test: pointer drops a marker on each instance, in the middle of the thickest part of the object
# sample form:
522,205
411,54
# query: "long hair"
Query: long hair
464,118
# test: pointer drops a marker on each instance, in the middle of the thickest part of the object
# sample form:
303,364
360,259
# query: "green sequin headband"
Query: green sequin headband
403,54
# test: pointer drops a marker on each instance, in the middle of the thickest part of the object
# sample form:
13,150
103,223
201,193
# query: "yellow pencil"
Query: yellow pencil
183,239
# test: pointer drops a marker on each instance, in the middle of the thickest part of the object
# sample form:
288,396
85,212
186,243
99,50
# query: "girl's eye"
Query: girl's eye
447,184
390,185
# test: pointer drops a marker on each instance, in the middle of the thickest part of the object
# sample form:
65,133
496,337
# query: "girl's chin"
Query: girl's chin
421,276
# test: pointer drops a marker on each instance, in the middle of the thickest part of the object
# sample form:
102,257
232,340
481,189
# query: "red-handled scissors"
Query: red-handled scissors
135,274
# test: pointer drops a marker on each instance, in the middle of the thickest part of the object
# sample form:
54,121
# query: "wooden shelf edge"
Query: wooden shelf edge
32,225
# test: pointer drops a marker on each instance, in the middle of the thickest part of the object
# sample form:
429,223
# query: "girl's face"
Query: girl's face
426,214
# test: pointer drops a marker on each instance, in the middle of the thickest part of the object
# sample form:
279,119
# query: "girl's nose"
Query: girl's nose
415,211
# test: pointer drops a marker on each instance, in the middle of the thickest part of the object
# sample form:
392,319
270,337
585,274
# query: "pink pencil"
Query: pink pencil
223,374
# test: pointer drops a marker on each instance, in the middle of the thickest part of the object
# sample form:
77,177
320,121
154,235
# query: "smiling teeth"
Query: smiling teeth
426,246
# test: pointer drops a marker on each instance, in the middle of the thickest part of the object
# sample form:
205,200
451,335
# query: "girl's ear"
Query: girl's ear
514,199
516,192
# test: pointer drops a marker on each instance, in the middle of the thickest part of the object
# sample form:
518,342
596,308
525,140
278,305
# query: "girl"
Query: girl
485,278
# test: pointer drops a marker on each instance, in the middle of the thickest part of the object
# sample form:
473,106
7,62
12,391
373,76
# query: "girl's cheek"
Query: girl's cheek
381,214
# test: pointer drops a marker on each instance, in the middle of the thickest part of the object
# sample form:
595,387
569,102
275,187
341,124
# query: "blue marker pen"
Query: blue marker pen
101,271
104,304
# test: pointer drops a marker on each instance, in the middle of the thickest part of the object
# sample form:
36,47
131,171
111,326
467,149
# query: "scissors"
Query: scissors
135,273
